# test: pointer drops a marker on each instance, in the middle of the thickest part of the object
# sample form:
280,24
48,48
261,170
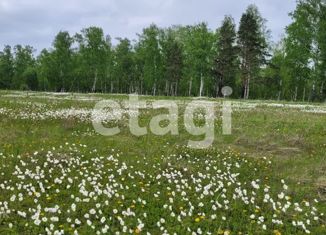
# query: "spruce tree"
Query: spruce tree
226,59
253,46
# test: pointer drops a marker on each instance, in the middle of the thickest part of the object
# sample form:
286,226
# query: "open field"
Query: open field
58,176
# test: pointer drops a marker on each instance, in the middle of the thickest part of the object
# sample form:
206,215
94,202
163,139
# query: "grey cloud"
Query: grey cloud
35,22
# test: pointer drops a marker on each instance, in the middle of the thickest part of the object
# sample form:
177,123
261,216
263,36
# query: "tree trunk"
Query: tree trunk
322,89
190,86
245,86
154,88
313,93
296,93
63,80
201,85
245,89
248,88
304,94
95,81
141,87
217,89
167,88
280,90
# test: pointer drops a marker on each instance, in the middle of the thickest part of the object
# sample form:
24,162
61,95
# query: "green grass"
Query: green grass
267,143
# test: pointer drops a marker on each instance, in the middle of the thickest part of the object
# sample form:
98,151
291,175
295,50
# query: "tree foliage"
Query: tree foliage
226,61
190,60
253,47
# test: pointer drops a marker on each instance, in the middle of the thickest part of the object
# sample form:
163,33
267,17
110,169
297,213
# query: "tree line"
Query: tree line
183,60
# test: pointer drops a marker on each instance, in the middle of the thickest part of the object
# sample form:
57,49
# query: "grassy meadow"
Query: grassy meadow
58,176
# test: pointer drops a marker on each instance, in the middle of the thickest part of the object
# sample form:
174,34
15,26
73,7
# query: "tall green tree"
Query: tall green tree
321,41
62,60
253,46
226,62
46,72
23,61
6,68
198,44
139,64
93,48
150,52
275,77
305,47
173,62
124,67
299,49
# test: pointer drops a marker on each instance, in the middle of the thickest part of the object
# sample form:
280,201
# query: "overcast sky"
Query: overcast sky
36,22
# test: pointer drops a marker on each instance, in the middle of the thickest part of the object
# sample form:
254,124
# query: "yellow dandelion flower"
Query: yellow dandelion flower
197,220
276,232
137,230
220,232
